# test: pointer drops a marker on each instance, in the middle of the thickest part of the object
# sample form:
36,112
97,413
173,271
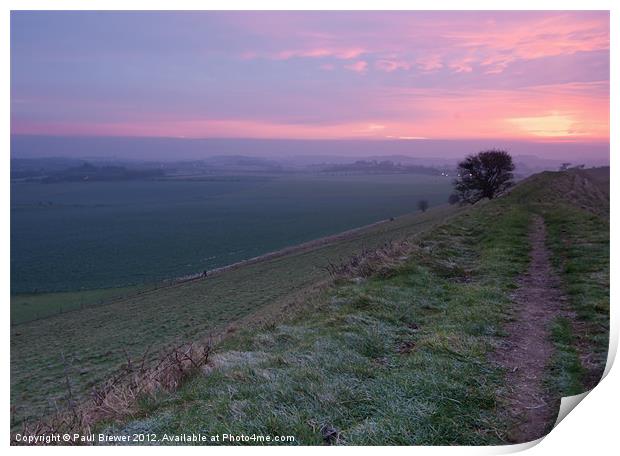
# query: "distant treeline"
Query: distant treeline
50,170
87,172
375,166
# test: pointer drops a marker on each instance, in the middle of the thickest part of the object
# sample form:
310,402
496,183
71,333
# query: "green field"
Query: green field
94,340
93,235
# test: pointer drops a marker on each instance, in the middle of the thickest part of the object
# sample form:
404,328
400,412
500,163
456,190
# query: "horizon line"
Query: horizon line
544,140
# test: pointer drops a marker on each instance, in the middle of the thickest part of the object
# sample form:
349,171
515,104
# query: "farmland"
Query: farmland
405,356
95,340
103,239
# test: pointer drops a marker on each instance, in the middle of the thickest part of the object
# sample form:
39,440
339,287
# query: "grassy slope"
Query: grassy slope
396,360
94,340
27,307
403,359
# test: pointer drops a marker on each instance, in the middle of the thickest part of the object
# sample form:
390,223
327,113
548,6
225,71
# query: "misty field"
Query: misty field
103,235
71,236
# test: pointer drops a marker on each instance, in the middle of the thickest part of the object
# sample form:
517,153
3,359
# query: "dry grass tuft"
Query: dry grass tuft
118,397
382,261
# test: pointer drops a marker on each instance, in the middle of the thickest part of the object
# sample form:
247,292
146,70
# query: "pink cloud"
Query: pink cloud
497,45
392,65
429,63
346,53
470,74
248,55
463,65
496,64
460,42
225,128
560,111
572,111
359,67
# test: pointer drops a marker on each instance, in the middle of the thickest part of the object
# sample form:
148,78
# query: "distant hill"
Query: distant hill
377,166
29,168
295,151
91,173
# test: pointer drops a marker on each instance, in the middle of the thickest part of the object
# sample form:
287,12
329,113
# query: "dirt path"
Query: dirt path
527,348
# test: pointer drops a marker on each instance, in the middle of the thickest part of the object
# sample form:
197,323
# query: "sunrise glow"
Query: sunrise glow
317,75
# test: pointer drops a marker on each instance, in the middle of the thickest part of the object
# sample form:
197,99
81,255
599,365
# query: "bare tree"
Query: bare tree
484,175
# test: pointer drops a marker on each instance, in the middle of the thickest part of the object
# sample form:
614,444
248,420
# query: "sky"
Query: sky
525,76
